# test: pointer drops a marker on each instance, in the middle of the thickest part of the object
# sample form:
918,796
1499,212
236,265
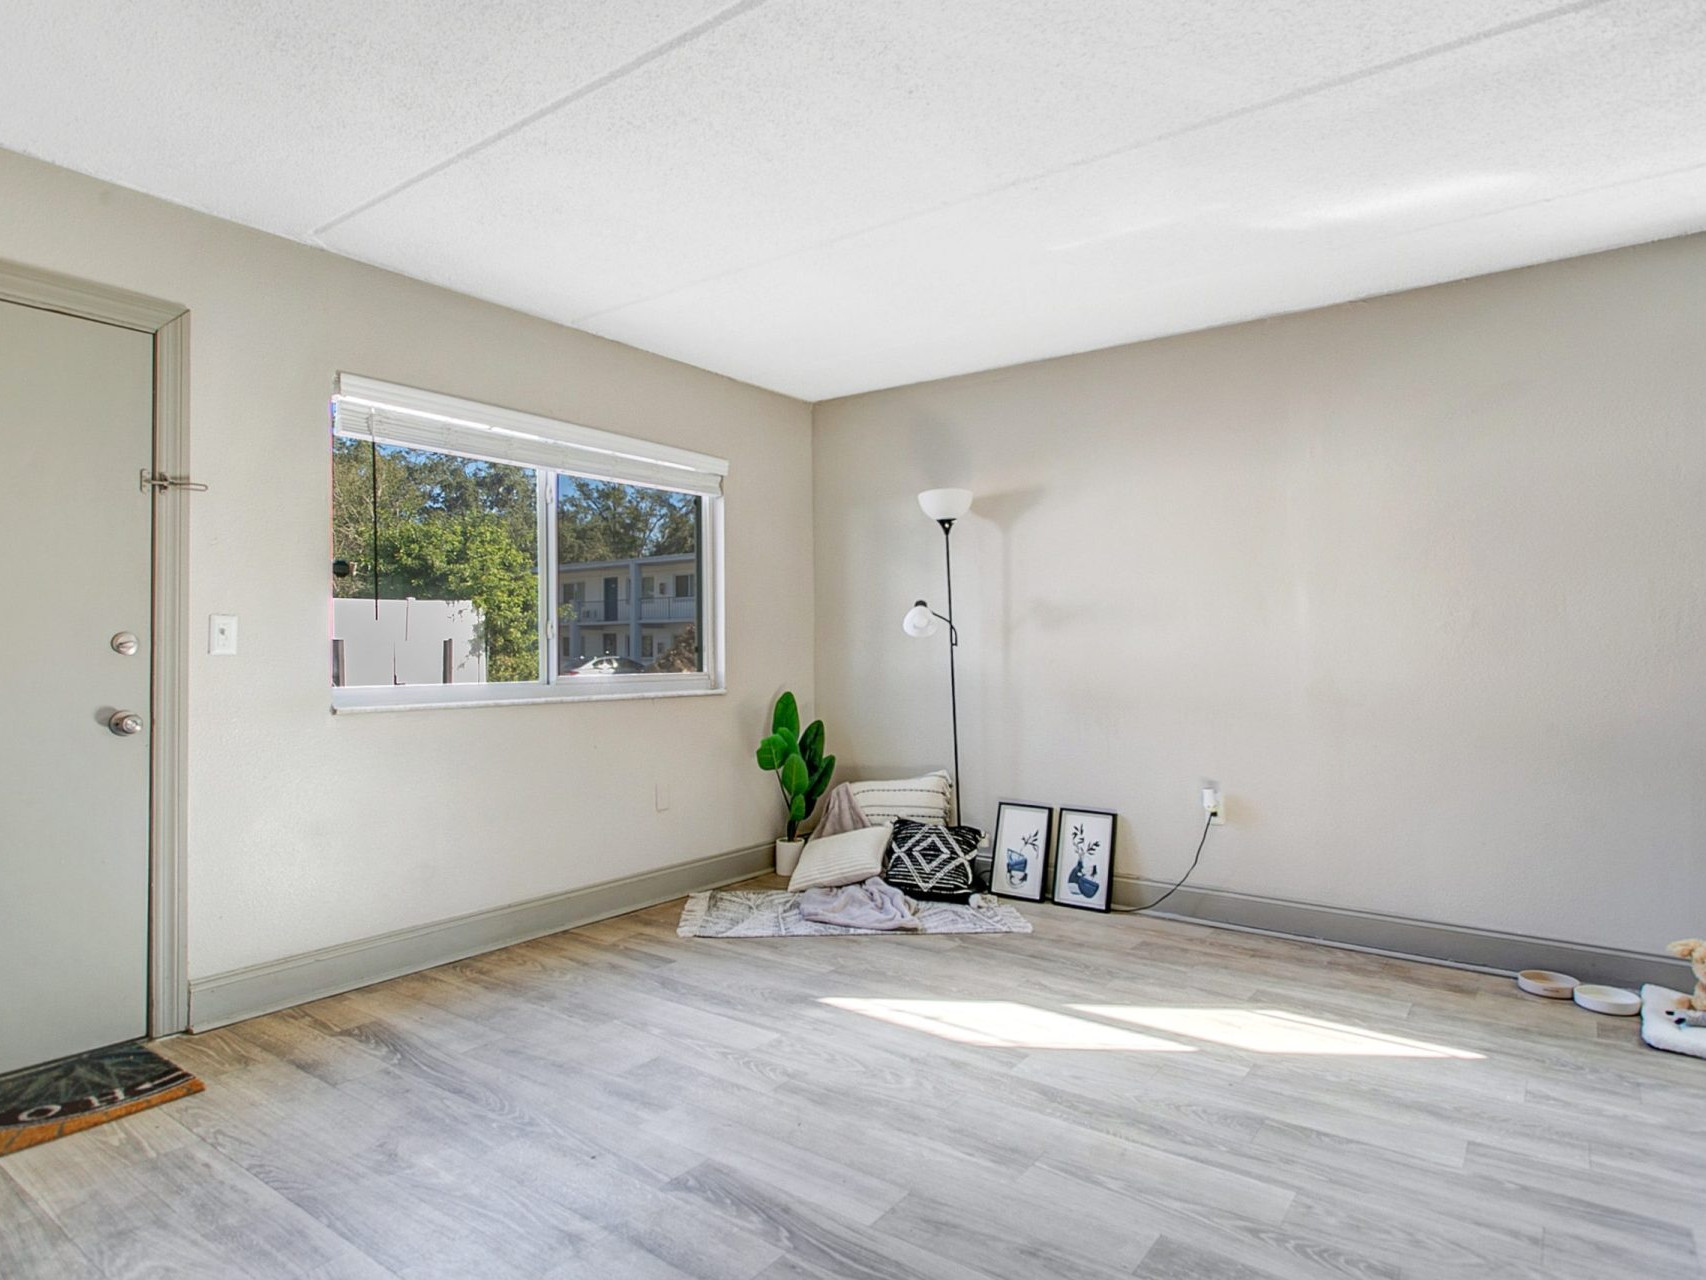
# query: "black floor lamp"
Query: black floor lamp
944,506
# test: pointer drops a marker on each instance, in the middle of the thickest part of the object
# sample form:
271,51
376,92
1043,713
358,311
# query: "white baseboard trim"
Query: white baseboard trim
232,996
1484,949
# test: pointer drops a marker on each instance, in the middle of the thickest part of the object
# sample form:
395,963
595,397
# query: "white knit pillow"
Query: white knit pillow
922,799
828,862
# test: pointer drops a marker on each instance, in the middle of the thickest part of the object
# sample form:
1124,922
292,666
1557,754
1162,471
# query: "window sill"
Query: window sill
365,700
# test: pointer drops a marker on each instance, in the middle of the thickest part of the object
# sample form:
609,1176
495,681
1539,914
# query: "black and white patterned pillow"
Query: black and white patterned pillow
930,861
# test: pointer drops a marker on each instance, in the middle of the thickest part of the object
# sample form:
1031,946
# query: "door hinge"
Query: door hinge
158,482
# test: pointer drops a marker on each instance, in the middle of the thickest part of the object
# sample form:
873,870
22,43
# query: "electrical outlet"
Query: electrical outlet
1212,803
222,634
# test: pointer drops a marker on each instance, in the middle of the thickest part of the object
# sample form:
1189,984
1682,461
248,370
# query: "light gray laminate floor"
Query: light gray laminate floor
618,1103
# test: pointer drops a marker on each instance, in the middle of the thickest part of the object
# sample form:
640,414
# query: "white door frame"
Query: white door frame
169,325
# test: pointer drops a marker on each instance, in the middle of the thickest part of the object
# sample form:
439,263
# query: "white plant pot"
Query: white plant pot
788,856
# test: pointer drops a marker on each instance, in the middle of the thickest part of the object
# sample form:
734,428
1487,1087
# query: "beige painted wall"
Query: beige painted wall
1421,581
308,829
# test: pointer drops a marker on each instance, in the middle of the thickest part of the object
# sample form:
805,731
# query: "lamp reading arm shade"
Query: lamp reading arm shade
945,504
919,621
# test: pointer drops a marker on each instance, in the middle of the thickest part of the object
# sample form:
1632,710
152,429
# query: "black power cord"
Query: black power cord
1196,858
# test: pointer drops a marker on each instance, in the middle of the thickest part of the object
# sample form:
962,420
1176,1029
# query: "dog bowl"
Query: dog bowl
1543,982
1613,1000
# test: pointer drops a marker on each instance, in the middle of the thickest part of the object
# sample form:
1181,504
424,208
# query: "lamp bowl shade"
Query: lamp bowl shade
945,504
919,621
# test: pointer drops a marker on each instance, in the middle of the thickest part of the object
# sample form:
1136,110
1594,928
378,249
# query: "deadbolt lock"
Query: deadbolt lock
125,642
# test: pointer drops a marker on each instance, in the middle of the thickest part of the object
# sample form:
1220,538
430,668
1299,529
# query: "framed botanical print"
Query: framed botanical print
1018,866
1084,859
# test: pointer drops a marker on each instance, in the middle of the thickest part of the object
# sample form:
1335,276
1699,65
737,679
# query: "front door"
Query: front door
76,415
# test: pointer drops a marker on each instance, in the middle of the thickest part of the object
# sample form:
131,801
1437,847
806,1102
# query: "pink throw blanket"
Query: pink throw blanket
841,812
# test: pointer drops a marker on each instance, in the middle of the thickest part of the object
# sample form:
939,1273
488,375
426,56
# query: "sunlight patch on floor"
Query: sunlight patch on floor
1273,1031
1005,1024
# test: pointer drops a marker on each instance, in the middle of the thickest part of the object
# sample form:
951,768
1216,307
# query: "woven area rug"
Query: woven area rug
40,1104
775,913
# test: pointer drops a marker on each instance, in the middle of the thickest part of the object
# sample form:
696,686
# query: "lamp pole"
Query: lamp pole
953,643
944,506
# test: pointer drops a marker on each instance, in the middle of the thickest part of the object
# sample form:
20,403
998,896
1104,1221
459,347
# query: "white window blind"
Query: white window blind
368,409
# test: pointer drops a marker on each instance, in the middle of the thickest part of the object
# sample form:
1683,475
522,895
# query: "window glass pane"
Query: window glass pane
458,568
616,543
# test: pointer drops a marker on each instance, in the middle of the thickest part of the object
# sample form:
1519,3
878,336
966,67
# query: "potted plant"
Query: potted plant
801,769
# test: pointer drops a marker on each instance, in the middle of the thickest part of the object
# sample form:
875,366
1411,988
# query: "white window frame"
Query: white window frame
367,408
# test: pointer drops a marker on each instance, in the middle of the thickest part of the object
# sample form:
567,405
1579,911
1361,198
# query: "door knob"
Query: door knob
125,643
125,723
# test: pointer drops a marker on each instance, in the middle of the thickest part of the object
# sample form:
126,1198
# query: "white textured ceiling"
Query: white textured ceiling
829,196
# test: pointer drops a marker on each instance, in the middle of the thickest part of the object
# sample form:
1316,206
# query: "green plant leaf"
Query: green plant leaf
819,783
796,814
820,779
811,744
787,716
771,753
795,778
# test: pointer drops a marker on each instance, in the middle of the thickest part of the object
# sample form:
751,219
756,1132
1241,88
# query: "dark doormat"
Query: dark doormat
39,1104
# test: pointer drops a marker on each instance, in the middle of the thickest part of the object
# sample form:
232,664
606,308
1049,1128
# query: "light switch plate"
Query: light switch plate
222,634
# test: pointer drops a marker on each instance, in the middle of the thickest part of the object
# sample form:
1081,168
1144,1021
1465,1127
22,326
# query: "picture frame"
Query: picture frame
1084,859
1019,852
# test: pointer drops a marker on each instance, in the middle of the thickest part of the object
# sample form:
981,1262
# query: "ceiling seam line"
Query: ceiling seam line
1656,176
1284,99
590,87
